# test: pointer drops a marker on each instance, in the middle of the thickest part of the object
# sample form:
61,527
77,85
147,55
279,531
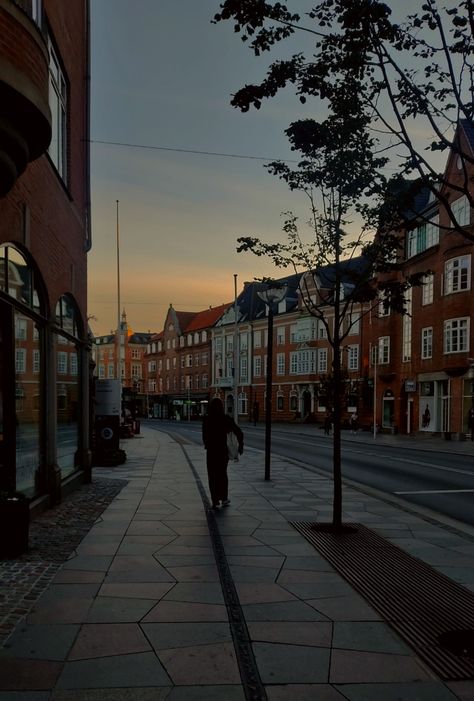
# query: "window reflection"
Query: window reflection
27,406
67,393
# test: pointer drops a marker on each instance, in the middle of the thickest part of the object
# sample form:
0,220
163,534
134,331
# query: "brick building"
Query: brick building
179,363
425,368
44,239
133,366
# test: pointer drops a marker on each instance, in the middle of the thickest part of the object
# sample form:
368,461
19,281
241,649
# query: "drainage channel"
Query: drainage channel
251,682
431,612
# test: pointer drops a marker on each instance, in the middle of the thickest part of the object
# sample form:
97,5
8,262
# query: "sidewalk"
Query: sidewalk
161,602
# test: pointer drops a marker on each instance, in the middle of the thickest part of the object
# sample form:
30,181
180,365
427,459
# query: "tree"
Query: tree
415,73
339,174
359,58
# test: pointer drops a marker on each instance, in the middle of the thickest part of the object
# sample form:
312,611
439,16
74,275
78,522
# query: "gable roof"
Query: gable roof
206,318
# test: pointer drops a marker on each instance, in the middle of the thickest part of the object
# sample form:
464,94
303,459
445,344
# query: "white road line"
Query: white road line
439,491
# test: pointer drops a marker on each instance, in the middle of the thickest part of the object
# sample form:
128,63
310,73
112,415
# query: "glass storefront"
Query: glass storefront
67,389
28,365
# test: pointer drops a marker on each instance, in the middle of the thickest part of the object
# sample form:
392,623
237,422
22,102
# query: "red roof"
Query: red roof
206,318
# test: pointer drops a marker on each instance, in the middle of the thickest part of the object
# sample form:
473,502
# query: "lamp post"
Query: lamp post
270,294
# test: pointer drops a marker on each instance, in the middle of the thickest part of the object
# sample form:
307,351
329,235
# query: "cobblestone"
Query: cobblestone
54,535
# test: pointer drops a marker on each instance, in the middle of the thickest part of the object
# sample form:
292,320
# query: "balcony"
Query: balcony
25,118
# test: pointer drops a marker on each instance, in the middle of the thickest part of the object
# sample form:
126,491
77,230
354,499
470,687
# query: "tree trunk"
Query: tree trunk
337,474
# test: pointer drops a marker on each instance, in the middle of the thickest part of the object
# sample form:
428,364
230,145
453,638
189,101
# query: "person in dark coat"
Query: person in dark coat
215,427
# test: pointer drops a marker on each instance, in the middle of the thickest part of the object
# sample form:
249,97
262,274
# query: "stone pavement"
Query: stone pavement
163,599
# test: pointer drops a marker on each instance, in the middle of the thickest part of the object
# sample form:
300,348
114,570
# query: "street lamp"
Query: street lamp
270,294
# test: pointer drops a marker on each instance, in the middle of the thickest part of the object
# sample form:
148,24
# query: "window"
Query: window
229,343
21,326
218,345
152,385
73,363
242,404
293,401
456,335
136,371
190,339
204,381
58,104
203,336
427,289
432,231
257,339
353,357
196,381
280,363
354,325
243,370
62,363
322,331
189,360
322,360
36,361
423,237
196,360
461,211
196,337
280,401
204,359
257,366
135,353
406,328
20,360
457,274
293,363
151,366
243,341
183,361
280,335
384,350
101,372
111,371
427,343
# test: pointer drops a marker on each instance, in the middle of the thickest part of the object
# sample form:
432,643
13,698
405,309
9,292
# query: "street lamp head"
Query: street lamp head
272,292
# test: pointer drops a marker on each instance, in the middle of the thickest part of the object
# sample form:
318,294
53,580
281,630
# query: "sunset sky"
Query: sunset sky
162,76
162,80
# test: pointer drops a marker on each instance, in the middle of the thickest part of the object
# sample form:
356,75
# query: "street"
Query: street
440,481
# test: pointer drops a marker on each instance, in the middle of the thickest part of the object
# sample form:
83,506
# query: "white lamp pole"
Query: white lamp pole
270,294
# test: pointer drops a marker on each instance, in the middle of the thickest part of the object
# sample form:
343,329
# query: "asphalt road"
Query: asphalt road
440,481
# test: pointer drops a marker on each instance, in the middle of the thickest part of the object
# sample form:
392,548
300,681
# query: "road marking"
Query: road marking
439,491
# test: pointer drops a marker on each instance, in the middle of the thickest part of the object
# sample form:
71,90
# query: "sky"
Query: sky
162,76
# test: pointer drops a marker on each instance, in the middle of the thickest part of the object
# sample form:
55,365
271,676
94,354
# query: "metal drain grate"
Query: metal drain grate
424,606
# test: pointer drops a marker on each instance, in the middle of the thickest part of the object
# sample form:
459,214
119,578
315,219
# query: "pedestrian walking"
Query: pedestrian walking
328,424
470,422
215,427
354,423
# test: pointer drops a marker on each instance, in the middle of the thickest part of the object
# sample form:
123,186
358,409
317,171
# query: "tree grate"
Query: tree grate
424,606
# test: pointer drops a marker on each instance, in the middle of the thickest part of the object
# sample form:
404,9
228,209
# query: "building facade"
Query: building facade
179,364
124,356
44,240
425,363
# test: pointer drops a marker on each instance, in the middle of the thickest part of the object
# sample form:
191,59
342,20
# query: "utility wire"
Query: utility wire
189,150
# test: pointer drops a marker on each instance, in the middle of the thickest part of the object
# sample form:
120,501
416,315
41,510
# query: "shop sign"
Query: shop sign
410,385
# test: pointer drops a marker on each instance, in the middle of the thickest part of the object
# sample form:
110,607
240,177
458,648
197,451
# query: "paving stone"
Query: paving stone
105,640
135,670
108,609
136,590
207,693
304,692
282,611
369,637
204,664
292,664
175,634
316,633
47,642
183,611
417,691
28,674
139,694
351,667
